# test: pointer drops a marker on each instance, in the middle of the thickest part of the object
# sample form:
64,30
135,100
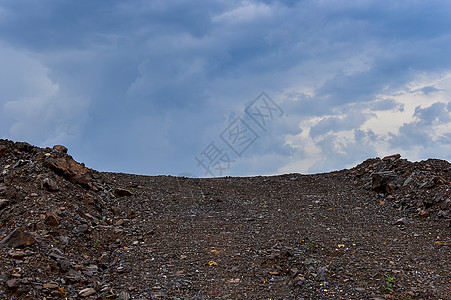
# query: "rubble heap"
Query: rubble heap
417,187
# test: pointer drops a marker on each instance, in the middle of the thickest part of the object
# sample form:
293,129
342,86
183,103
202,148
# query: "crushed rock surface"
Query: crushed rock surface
380,230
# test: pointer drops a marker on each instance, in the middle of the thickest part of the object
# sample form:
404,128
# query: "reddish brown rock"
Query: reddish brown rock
60,148
392,157
69,169
51,220
18,239
122,192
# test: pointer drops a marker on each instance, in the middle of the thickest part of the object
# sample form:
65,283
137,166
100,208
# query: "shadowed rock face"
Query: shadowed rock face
67,231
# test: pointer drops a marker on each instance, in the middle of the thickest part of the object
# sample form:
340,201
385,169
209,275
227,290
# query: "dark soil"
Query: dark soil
380,230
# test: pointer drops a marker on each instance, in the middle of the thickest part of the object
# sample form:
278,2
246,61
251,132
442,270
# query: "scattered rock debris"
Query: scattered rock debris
380,230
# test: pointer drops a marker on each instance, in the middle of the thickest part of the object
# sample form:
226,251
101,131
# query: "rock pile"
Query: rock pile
52,211
418,187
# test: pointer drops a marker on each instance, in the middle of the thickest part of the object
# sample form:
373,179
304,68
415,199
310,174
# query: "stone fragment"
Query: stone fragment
382,179
87,292
423,213
50,285
116,210
321,275
60,148
69,169
17,254
124,296
122,192
402,221
298,278
446,204
4,203
13,283
64,265
51,220
18,239
392,157
4,150
81,229
389,189
49,185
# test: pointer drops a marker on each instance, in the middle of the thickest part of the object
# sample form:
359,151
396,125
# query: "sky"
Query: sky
227,87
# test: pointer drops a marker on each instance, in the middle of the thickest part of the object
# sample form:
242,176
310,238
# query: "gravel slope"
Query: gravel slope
378,231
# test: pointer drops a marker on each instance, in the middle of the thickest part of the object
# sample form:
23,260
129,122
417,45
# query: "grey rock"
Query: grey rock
49,185
402,221
124,296
321,275
13,283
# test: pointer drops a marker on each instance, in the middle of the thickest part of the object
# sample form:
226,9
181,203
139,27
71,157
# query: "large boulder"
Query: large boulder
71,170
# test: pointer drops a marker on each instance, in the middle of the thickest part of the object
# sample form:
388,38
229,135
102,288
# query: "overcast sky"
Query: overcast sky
175,87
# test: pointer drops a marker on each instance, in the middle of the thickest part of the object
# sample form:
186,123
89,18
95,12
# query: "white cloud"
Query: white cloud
33,107
248,11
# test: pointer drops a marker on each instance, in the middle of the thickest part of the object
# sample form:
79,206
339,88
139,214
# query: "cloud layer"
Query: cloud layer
146,86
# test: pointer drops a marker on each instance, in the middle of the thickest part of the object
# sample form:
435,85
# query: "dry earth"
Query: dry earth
380,230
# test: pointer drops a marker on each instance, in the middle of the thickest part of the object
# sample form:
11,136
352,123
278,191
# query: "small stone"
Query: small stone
122,193
392,157
64,265
321,275
87,292
13,283
34,195
81,229
446,204
117,231
4,203
60,148
50,286
389,189
423,213
402,221
298,278
116,210
49,184
17,254
51,220
124,296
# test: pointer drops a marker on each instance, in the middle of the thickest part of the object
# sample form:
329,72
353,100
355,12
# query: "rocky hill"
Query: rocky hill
380,230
